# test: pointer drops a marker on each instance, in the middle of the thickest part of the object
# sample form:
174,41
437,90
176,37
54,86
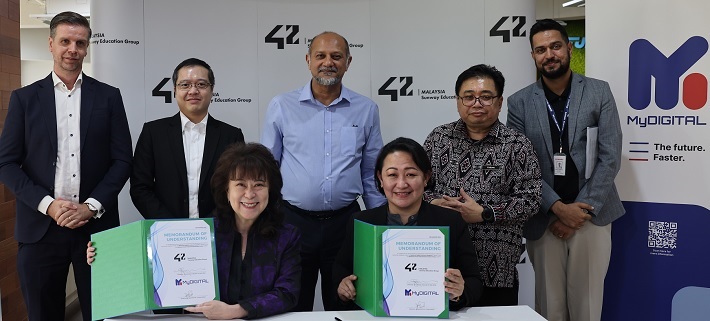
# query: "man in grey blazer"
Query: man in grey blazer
569,239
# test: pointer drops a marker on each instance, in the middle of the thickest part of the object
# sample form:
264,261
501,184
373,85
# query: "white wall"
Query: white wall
390,50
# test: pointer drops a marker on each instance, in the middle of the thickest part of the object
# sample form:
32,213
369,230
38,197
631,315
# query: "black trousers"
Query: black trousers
43,268
499,296
320,242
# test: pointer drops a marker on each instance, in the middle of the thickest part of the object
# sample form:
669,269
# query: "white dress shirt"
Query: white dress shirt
193,143
67,175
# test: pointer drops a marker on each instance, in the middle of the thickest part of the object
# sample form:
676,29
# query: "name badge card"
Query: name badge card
560,161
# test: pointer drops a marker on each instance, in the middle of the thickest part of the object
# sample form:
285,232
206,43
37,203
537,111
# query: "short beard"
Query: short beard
327,81
555,74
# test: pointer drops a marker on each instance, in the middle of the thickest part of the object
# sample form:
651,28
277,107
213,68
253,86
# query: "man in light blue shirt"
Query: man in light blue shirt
326,138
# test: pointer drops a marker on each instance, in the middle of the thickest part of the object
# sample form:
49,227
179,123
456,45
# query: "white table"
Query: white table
509,313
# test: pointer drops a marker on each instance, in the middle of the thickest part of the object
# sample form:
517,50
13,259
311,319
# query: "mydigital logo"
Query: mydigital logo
410,292
646,61
181,282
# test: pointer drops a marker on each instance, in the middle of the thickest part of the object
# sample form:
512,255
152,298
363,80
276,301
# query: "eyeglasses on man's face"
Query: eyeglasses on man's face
200,85
470,100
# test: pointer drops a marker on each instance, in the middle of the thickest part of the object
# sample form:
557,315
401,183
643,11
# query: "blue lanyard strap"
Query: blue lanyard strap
554,118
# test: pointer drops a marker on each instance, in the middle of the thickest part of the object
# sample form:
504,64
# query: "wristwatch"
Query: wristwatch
93,209
488,214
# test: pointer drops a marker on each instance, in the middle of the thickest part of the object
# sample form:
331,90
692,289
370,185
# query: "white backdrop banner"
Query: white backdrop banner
654,55
406,56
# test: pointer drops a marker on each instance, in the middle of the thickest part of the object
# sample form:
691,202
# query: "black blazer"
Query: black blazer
462,254
28,153
159,178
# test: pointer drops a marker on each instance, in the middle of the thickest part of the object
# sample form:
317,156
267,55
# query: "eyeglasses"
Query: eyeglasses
185,86
470,100
542,49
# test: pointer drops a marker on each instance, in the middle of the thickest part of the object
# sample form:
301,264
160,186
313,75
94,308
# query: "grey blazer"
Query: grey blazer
592,105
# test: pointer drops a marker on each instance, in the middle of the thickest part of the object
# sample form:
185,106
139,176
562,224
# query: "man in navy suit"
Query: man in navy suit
569,239
65,153
176,156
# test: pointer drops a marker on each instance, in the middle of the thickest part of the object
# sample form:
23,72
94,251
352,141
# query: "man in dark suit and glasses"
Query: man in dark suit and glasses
176,156
65,153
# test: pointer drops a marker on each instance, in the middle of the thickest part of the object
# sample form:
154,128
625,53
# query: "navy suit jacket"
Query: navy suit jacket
28,153
462,254
159,179
591,105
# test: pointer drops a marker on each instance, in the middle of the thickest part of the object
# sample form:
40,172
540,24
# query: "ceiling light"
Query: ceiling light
569,3
47,18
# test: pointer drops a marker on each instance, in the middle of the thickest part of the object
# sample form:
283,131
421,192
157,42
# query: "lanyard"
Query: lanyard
554,118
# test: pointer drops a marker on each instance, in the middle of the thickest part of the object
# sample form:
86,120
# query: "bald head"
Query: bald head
330,34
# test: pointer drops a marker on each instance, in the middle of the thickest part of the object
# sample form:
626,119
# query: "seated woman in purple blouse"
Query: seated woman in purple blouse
258,255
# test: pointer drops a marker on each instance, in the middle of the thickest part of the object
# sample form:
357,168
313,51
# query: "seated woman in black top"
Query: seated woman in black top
402,171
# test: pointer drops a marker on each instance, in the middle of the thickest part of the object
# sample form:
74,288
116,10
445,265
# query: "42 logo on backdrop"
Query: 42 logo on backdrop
168,95
403,89
290,33
158,92
517,31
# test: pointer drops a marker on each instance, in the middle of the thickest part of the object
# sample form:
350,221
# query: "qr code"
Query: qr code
662,235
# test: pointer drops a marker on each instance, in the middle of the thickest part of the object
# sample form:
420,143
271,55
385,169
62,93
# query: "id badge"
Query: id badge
560,161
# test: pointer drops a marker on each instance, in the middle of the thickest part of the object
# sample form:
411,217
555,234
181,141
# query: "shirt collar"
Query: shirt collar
186,122
461,131
552,97
396,220
58,82
307,95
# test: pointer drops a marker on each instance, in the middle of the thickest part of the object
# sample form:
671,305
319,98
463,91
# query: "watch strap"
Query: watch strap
489,214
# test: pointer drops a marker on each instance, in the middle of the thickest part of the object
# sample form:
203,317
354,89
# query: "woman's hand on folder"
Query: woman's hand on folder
346,288
454,282
218,310
90,253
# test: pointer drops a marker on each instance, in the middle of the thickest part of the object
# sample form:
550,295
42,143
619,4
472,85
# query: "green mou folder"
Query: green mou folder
152,265
400,269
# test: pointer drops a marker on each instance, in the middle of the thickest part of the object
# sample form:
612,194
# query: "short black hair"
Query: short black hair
250,161
545,25
482,71
189,62
407,145
69,18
